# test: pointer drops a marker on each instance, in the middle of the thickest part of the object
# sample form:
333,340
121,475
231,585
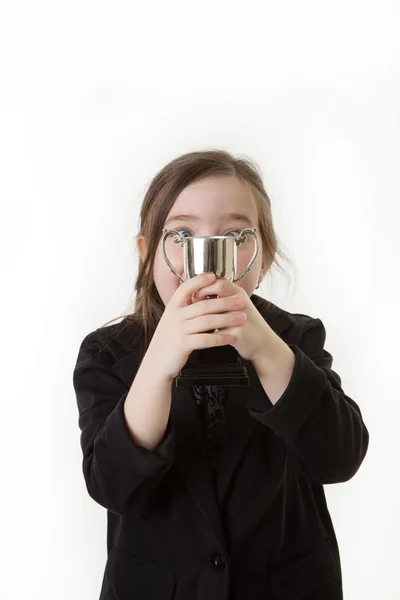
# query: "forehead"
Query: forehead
215,195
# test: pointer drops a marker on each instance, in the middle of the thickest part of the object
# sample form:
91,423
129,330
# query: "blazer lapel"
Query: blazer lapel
191,458
239,425
238,429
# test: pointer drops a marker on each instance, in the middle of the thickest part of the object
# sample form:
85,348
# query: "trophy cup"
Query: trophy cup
218,254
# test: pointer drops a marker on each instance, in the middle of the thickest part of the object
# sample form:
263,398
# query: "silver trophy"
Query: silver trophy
217,254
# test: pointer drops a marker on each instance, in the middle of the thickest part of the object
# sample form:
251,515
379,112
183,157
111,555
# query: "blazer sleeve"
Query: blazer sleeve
120,475
322,427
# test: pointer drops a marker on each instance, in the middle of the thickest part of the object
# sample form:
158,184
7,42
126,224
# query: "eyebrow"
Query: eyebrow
195,219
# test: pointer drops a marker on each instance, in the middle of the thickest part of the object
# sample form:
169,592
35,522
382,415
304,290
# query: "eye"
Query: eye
178,230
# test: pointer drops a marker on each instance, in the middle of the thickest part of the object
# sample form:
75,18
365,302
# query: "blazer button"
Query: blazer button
217,561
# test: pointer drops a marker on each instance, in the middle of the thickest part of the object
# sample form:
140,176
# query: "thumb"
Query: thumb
186,291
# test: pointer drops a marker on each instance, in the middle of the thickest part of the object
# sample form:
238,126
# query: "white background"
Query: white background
95,98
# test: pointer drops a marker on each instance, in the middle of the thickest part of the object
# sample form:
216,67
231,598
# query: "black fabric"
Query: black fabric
259,528
212,403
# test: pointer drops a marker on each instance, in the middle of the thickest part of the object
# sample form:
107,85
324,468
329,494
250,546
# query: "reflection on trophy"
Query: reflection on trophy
218,254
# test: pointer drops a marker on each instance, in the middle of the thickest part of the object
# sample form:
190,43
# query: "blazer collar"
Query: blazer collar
190,456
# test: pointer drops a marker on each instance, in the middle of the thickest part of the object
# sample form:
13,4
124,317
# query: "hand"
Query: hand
184,324
253,338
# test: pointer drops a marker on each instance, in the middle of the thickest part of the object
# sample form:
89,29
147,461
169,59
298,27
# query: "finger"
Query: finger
233,330
213,322
184,293
214,306
209,340
221,287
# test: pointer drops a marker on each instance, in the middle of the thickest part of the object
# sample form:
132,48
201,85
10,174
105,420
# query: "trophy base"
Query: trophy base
213,366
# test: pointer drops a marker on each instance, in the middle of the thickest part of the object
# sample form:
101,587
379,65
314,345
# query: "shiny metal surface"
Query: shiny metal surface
217,254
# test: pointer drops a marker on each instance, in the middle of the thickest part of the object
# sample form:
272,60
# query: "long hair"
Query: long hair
161,194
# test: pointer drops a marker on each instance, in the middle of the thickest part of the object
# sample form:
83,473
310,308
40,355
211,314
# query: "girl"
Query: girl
214,493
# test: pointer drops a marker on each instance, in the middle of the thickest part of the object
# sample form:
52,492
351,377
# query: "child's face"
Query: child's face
210,200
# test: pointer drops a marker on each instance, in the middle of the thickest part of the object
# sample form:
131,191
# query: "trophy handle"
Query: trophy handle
177,240
242,238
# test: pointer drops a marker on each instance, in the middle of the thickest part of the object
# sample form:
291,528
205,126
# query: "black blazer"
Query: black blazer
264,532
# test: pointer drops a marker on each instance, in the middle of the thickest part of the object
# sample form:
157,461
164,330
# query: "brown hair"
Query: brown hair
162,192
